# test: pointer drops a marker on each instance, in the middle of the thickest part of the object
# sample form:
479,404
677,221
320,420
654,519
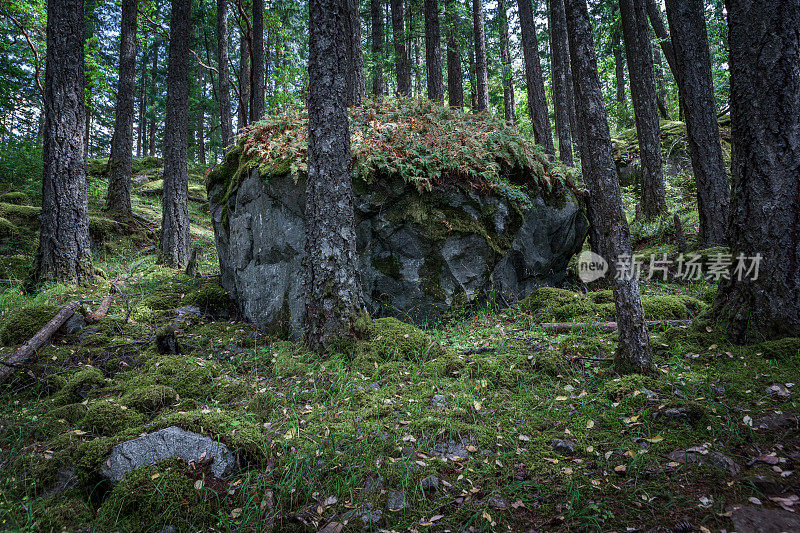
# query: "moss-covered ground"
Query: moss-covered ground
354,438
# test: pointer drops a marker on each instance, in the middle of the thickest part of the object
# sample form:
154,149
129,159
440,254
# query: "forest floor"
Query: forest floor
483,422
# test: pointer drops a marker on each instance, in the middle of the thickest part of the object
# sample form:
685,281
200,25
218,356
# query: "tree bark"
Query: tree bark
509,106
619,66
661,85
660,29
141,130
537,101
244,75
473,100
257,103
226,122
559,52
64,253
333,293
481,74
765,209
118,199
693,65
599,172
175,245
356,81
401,55
455,82
376,16
433,51
636,34
201,119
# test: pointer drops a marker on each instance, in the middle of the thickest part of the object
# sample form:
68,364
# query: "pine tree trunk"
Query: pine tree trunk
473,101
537,101
693,65
226,123
118,199
619,67
333,293
151,150
660,29
401,55
244,78
376,16
257,103
599,172
201,130
574,126
175,246
455,82
509,106
661,85
636,33
141,132
356,80
64,253
765,208
433,51
481,73
559,53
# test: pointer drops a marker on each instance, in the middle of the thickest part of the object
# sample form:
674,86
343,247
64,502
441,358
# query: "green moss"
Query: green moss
150,399
163,299
21,215
388,266
109,418
234,428
263,403
24,323
545,298
15,266
15,197
190,377
430,274
601,297
782,349
7,228
211,299
620,388
671,307
388,339
63,514
79,386
72,413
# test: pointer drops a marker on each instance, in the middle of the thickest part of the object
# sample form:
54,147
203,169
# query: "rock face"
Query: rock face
164,444
420,252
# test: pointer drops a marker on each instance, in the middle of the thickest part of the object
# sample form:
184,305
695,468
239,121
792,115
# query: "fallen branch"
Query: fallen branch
160,190
605,327
27,350
482,349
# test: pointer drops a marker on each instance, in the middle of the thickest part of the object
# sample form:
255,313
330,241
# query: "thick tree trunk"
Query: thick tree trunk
559,52
226,123
376,16
433,51
574,126
765,209
509,106
64,253
151,150
244,77
333,292
118,198
636,33
661,85
257,103
537,101
633,352
356,80
481,72
619,66
693,65
175,246
401,55
473,100
455,82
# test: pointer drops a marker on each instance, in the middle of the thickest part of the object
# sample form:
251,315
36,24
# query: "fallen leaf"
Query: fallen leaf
236,513
590,424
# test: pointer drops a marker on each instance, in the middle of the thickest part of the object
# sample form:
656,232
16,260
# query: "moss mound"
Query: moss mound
16,198
14,266
79,386
211,299
109,418
778,349
23,324
151,398
389,339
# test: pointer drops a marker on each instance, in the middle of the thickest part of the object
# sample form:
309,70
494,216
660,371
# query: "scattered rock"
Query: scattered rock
779,392
74,324
564,447
777,421
439,401
764,480
170,442
429,484
66,480
453,450
373,484
166,341
188,310
650,394
713,458
753,519
397,500
497,502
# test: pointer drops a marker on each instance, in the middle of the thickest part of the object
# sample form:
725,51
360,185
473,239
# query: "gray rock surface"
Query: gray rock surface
564,447
751,519
164,444
419,253
715,459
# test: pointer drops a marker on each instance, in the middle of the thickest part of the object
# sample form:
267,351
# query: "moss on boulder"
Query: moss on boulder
109,418
23,323
150,399
79,386
389,339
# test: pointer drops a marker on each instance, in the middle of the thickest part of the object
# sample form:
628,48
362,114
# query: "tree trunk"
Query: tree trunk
661,85
559,52
433,51
376,16
509,106
636,34
401,56
244,76
481,73
660,29
574,126
151,150
64,253
473,101
693,65
257,103
537,101
633,352
201,119
356,81
175,246
142,125
118,199
619,66
765,209
333,293
226,123
455,82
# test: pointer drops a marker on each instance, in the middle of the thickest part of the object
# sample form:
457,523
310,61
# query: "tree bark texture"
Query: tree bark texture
151,150
175,246
141,130
619,66
433,51
401,55
376,16
120,161
333,292
244,75
559,53
455,81
356,80
509,106
633,352
765,210
257,103
693,65
537,100
481,72
226,122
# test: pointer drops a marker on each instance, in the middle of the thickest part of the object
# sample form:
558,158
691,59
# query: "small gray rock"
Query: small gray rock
716,459
439,401
164,444
752,519
497,502
564,447
397,501
779,392
373,484
776,422
74,324
429,484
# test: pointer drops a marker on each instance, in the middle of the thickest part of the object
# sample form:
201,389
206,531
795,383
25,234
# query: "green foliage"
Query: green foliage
23,324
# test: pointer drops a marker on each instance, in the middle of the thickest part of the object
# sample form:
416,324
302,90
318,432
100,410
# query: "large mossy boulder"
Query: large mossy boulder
450,209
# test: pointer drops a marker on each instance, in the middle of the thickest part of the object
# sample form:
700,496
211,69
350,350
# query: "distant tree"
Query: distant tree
175,246
141,131
481,74
402,66
559,52
619,66
433,51
151,143
64,253
633,352
245,42
509,106
257,103
765,211
537,101
693,66
226,123
636,33
118,199
376,17
333,294
455,82
356,80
